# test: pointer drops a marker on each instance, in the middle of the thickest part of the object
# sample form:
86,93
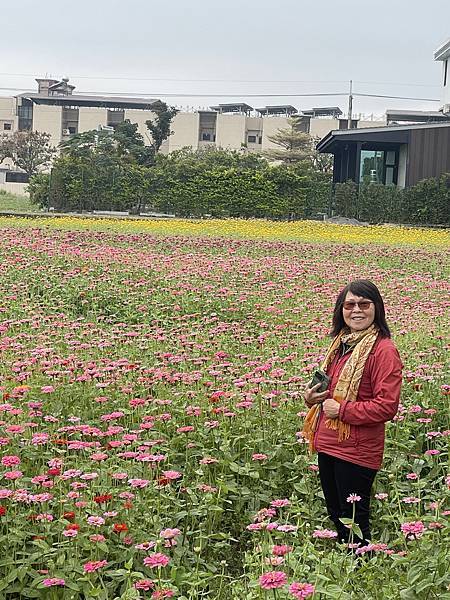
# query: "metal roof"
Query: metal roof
423,116
98,101
443,52
232,107
323,111
275,110
342,134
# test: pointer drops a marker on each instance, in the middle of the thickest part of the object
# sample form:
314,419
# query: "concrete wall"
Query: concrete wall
231,131
319,128
185,127
270,127
7,115
14,188
91,118
140,117
48,119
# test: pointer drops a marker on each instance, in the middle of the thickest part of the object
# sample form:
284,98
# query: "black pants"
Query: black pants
339,479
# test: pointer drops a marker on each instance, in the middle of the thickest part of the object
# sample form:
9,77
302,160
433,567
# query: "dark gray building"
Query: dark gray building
399,155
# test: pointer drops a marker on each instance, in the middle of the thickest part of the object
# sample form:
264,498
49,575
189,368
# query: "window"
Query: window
17,177
25,114
260,139
7,127
206,137
72,130
379,166
251,139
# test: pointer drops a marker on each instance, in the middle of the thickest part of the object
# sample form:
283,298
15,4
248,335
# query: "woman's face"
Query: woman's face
355,317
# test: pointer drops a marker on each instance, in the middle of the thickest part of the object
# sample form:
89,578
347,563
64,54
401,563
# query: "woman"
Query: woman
345,423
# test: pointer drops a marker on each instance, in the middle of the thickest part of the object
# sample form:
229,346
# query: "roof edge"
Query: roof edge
443,52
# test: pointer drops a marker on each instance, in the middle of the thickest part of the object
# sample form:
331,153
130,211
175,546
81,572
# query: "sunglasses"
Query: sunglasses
363,304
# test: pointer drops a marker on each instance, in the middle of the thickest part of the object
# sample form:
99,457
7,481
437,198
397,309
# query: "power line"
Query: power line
238,94
397,97
205,80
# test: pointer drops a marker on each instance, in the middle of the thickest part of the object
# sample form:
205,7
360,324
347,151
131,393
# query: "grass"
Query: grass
14,203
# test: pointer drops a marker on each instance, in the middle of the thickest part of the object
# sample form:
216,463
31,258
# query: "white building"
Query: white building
443,54
57,110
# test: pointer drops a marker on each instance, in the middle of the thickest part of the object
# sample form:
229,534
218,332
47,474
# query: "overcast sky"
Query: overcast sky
232,48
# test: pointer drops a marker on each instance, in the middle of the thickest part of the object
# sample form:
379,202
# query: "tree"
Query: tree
29,150
320,161
295,145
160,127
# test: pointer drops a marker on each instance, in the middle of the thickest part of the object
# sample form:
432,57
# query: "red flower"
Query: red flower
72,526
163,481
127,505
2,511
103,498
119,527
53,472
70,516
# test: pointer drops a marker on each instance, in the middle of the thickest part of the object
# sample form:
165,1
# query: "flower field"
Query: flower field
151,376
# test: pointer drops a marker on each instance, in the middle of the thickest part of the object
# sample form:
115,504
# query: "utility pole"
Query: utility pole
350,105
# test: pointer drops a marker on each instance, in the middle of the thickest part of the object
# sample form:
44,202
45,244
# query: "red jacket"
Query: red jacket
376,403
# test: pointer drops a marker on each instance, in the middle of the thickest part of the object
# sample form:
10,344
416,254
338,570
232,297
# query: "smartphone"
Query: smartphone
322,378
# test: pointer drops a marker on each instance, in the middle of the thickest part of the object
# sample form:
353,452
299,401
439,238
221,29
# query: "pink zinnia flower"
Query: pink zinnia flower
287,528
280,503
12,475
47,389
53,581
172,475
273,580
144,584
94,565
96,521
411,500
70,533
10,461
353,498
259,456
324,533
156,560
281,550
301,590
381,496
168,534
413,529
138,483
97,537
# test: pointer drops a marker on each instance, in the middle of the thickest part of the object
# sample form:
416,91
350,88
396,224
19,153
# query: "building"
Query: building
415,145
395,155
442,54
57,110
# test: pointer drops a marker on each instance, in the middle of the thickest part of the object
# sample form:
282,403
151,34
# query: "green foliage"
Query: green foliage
225,183
29,150
100,170
428,202
295,145
160,126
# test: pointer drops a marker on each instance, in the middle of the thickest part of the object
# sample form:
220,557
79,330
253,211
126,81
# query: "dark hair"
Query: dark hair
365,289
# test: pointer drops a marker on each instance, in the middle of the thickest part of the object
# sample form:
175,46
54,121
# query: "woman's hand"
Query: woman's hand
312,396
331,408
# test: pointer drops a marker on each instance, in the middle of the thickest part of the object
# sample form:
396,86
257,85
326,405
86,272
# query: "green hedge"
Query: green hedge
222,183
426,203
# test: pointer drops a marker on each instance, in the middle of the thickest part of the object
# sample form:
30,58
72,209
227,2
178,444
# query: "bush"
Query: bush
426,203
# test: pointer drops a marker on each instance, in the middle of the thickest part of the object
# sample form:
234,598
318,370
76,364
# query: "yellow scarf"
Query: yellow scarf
348,382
